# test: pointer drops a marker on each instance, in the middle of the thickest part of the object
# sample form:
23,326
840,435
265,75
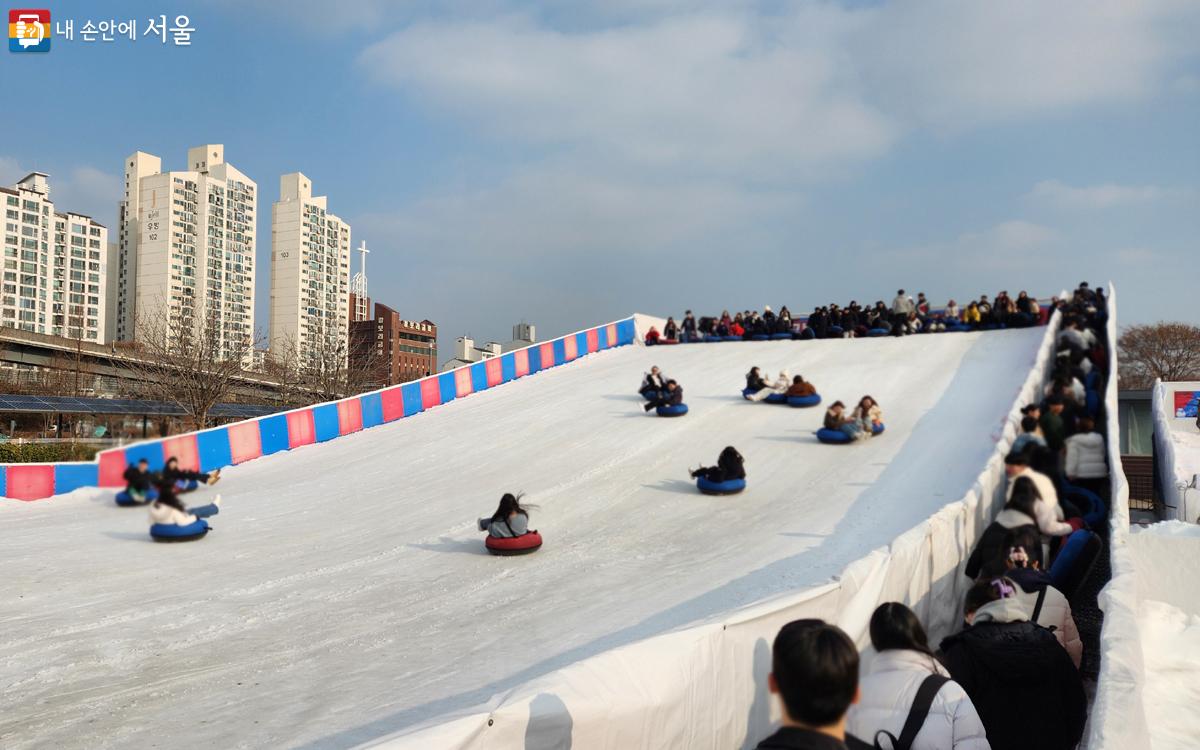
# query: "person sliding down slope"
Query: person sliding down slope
654,383
837,421
754,380
168,509
138,480
730,465
173,474
780,386
801,388
672,396
510,519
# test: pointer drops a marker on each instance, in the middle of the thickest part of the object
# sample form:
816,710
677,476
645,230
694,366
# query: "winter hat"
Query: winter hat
766,308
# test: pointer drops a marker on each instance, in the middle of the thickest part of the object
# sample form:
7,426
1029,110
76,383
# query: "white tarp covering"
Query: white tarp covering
1177,443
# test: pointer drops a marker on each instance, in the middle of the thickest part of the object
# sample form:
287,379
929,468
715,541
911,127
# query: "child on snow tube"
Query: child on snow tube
508,528
777,389
139,485
172,521
727,477
802,393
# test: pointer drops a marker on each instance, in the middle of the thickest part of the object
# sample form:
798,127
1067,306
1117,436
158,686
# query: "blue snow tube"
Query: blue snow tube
731,338
878,332
747,393
776,398
1074,561
835,331
713,339
760,337
877,429
672,410
781,336
833,437
728,487
186,485
173,532
651,395
1093,403
1091,380
1095,513
812,400
126,500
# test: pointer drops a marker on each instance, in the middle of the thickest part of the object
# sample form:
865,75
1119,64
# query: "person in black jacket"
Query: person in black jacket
138,480
653,384
1019,512
1022,681
689,327
173,474
670,330
730,465
672,396
814,671
754,380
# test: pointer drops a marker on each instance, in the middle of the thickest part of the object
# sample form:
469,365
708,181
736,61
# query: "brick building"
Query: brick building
401,349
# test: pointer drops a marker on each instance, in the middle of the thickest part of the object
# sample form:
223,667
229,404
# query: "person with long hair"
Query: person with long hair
837,421
730,465
1021,563
780,386
169,509
1020,511
868,415
887,691
511,519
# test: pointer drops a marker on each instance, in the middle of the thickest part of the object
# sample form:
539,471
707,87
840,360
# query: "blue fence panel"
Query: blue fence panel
560,351
372,410
479,377
508,367
3,481
152,452
535,359
625,332
602,337
325,422
411,393
581,347
69,477
213,447
447,387
273,434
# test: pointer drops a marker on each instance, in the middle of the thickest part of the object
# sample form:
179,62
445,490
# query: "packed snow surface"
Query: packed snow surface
346,593
1171,653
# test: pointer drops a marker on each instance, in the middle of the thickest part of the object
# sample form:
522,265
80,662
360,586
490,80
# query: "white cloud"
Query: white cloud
82,189
1056,194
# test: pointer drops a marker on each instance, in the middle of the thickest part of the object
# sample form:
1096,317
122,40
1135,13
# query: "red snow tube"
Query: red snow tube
516,545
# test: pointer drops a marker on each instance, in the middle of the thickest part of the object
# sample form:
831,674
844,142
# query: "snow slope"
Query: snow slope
345,592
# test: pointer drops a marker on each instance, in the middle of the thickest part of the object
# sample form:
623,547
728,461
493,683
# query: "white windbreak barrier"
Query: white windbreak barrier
1118,714
705,686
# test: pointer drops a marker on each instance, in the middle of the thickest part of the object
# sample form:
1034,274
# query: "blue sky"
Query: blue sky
570,162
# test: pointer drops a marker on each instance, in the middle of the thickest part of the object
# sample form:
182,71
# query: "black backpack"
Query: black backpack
912,725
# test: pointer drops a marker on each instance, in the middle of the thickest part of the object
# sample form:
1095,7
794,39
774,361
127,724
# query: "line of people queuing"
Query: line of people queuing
905,315
1009,679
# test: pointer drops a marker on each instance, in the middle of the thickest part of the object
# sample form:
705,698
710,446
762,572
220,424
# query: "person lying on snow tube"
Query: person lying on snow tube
672,396
778,389
754,382
653,384
508,528
139,487
802,393
728,477
869,416
839,428
172,521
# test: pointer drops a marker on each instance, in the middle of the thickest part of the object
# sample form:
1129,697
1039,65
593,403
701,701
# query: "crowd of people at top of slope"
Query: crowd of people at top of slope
1009,679
904,316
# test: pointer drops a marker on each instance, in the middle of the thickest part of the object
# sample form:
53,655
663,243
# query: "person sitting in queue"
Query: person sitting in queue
868,415
837,421
780,386
730,465
510,519
801,388
652,336
653,384
670,330
672,396
138,480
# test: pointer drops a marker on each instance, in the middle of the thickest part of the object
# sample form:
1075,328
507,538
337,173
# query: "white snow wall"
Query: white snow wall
705,686
1118,713
1180,504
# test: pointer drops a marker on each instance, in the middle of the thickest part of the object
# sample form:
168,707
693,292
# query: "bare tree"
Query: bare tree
187,363
1170,351
323,370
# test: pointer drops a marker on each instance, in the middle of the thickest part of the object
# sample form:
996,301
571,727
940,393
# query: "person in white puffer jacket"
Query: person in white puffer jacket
1087,462
891,682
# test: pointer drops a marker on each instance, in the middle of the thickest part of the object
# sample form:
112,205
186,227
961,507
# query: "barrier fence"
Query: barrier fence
1173,480
706,686
239,442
